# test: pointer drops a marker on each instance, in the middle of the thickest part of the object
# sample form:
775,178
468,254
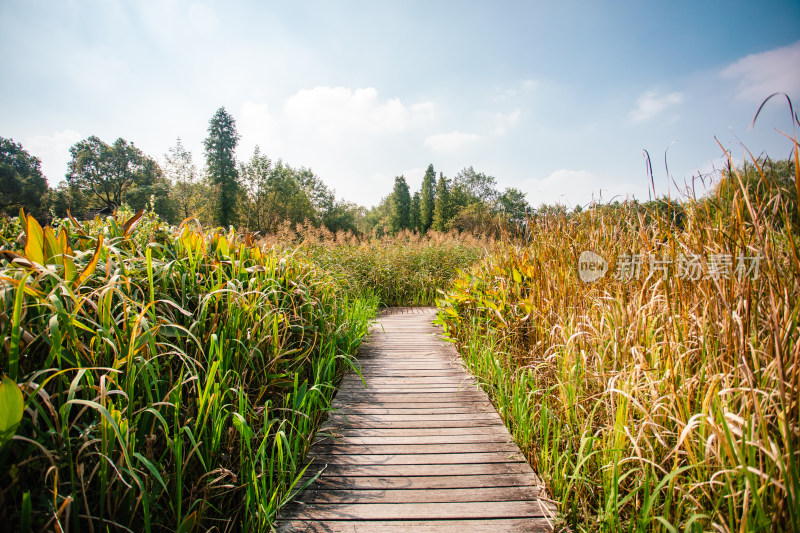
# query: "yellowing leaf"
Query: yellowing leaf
11,407
89,270
132,222
34,245
51,246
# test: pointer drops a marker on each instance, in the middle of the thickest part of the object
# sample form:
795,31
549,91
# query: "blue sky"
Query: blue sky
557,99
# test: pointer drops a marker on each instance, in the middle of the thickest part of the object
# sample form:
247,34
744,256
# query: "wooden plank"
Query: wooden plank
512,525
423,432
342,448
417,458
421,511
338,425
480,438
437,396
410,417
415,409
424,482
473,469
477,494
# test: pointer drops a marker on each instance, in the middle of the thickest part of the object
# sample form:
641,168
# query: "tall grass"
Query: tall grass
407,269
172,379
659,402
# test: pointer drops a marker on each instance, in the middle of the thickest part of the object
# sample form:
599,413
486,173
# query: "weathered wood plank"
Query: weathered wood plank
420,424
379,470
462,494
349,448
403,431
424,482
421,511
411,439
513,525
410,417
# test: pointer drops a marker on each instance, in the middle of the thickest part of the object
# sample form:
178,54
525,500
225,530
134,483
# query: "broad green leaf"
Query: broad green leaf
11,408
34,245
51,247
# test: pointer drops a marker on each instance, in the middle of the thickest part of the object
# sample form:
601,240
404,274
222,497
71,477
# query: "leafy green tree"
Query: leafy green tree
21,181
343,216
220,148
470,187
376,219
401,206
109,175
513,205
415,219
255,176
427,199
442,210
181,171
68,198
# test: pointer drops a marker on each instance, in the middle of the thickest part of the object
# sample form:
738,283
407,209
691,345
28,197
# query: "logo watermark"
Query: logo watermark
592,266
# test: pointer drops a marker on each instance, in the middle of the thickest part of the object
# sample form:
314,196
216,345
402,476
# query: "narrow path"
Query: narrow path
420,449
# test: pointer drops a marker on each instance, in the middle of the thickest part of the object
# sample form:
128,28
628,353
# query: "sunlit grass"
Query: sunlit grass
658,403
172,378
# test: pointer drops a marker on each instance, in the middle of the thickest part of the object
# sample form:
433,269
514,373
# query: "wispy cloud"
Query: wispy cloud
498,123
451,142
574,187
652,103
504,121
335,112
759,75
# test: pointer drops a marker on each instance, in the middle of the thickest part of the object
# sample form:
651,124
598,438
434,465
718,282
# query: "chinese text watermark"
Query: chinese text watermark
592,266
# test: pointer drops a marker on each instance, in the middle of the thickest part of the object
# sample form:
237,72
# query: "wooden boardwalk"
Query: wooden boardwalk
421,449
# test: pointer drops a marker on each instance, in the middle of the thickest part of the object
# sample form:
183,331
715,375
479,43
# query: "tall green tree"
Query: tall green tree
181,171
107,175
415,219
220,147
471,187
442,210
401,206
21,181
427,199
513,205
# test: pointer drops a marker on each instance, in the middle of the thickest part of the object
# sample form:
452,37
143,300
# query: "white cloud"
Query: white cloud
423,112
336,112
760,75
505,121
53,151
456,140
651,104
257,126
450,142
572,187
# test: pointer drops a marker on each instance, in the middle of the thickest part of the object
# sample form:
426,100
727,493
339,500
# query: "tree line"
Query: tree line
469,202
257,193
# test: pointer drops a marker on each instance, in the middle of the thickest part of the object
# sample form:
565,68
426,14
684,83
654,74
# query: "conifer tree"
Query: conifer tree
427,199
401,206
220,148
415,222
442,208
